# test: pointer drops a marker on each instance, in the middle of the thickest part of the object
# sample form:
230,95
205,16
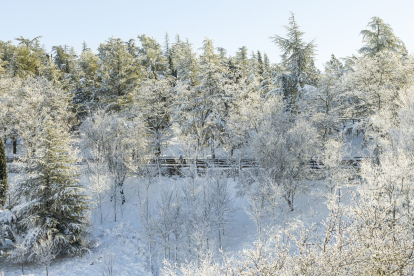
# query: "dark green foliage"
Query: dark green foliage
151,56
4,187
171,66
260,62
28,58
119,75
63,57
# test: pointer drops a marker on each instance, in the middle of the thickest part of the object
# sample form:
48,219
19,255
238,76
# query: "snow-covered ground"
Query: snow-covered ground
123,244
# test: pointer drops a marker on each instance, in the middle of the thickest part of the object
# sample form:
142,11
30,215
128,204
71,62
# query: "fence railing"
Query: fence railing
174,163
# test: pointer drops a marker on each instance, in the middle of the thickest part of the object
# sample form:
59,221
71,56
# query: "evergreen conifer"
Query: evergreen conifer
3,175
55,203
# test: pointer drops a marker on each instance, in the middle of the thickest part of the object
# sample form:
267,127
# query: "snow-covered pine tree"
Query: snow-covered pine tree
61,68
297,60
119,74
7,111
7,51
376,78
253,66
268,76
260,69
64,57
380,37
54,200
82,90
375,82
4,187
51,72
28,58
3,64
152,57
168,53
185,62
242,61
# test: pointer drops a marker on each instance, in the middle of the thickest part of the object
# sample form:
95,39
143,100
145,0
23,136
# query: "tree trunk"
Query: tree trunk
220,237
289,202
14,146
100,208
114,196
150,253
213,152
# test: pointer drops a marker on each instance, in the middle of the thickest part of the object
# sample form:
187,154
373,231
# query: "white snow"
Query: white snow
123,241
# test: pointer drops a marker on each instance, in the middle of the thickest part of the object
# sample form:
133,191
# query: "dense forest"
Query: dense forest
84,125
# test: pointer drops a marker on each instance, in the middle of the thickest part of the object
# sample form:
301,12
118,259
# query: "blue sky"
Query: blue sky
335,25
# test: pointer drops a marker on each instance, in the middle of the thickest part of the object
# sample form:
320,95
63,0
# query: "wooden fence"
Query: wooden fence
173,165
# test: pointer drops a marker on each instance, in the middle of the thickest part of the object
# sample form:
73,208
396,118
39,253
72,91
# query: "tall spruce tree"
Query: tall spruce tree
82,91
297,60
119,75
152,58
54,201
380,37
3,175
243,61
7,50
185,62
260,64
28,58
